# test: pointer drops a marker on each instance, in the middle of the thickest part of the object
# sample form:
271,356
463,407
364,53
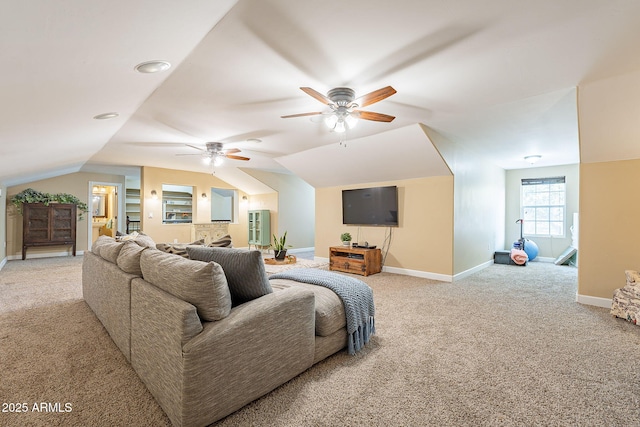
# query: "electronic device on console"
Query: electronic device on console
365,245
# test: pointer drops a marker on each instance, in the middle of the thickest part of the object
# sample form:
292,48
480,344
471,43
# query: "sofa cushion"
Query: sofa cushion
99,242
244,270
202,284
329,309
110,250
144,240
129,257
178,248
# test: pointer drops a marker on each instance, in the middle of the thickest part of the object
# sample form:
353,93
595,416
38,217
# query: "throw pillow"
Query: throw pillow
633,278
99,242
129,257
222,242
245,272
178,248
145,240
110,250
202,284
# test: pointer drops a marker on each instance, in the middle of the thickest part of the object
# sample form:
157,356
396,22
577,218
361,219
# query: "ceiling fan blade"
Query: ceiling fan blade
231,150
237,157
375,96
301,115
189,154
317,95
376,117
196,147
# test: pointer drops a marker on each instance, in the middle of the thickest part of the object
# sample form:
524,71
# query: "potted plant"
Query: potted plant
280,246
33,196
346,239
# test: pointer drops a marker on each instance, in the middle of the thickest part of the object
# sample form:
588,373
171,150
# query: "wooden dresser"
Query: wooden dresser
361,261
53,225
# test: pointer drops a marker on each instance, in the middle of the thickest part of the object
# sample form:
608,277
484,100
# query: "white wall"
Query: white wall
479,204
550,247
296,207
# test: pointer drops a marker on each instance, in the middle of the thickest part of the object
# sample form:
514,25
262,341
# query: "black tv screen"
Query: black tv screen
370,206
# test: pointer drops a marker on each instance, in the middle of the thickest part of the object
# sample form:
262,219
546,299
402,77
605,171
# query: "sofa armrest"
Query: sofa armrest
160,325
259,346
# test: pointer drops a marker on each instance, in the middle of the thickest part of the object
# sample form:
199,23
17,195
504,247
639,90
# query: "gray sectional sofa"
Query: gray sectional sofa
207,338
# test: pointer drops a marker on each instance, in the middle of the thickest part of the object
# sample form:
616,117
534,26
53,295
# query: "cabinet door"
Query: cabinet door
36,223
63,223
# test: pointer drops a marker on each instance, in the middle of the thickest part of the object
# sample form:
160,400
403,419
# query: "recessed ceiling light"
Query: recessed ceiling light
152,67
256,140
106,116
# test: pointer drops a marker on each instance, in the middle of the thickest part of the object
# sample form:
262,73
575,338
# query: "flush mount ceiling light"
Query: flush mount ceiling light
532,159
106,116
152,67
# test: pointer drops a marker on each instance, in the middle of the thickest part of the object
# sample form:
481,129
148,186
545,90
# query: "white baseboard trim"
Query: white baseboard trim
473,270
425,274
418,273
44,255
3,263
595,301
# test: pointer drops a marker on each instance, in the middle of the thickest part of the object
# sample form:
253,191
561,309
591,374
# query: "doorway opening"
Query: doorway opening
105,205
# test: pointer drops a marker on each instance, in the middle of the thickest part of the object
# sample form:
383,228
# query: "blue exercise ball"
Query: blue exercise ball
531,249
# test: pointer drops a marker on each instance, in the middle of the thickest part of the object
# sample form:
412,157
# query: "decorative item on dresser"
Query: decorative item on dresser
346,239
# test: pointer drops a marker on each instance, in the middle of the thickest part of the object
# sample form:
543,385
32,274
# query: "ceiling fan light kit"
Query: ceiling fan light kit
343,103
214,154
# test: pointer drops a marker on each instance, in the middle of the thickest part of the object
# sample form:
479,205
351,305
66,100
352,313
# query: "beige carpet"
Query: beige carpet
508,346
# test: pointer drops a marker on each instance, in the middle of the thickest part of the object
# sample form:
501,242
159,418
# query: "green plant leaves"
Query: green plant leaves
33,196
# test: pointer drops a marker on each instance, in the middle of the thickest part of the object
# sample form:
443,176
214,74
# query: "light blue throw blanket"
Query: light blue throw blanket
356,296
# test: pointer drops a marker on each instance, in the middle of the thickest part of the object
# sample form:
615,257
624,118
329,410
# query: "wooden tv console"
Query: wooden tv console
361,261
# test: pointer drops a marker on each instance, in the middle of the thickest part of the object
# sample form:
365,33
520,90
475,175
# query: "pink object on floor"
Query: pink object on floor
519,256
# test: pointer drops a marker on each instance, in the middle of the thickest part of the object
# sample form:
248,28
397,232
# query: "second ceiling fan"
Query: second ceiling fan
214,153
345,106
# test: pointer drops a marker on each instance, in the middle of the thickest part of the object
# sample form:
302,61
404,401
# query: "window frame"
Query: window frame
549,221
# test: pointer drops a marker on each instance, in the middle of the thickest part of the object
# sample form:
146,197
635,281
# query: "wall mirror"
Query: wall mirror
99,206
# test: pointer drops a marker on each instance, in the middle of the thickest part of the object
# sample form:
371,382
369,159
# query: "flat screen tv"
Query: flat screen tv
377,206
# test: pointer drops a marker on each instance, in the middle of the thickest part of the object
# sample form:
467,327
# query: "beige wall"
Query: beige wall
549,247
73,183
153,178
609,226
422,241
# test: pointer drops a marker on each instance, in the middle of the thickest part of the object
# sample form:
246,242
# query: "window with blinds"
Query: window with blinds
543,206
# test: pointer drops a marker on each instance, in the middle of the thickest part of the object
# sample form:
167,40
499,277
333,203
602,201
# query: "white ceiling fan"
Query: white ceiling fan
345,106
214,153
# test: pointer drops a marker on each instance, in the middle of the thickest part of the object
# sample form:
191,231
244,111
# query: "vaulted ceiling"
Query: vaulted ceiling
498,76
